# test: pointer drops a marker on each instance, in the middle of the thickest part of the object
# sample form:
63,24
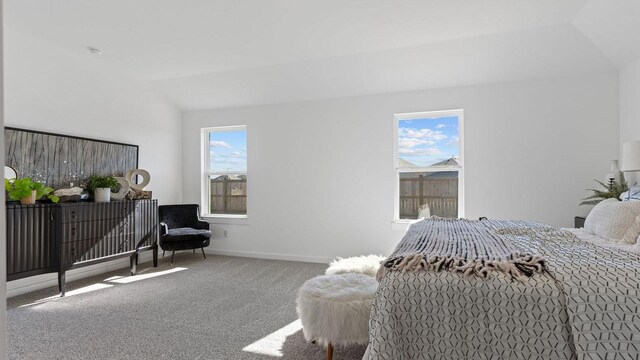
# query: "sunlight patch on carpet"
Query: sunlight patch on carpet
271,344
134,278
82,290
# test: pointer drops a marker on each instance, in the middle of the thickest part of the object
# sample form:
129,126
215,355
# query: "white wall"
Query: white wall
49,89
321,177
3,239
630,107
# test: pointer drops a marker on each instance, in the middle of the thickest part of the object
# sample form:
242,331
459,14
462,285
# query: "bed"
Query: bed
581,300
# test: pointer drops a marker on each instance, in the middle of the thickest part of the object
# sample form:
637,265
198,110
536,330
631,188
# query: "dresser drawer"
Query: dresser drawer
96,211
84,230
91,249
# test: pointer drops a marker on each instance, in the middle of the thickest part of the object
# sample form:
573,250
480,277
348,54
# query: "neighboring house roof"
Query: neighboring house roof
452,161
402,163
437,168
231,177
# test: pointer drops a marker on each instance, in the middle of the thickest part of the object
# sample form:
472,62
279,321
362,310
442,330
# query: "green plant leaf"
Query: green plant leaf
601,183
96,182
611,191
591,202
20,188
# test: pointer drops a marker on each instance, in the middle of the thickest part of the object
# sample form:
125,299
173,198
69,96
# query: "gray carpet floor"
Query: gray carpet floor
219,308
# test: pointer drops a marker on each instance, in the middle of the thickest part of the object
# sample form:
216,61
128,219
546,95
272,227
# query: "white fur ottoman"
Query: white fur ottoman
334,309
368,265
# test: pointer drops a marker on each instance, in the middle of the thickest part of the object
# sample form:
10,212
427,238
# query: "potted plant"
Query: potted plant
28,191
101,187
611,191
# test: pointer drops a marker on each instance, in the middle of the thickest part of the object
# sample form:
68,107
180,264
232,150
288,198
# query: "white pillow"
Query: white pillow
624,195
632,194
617,221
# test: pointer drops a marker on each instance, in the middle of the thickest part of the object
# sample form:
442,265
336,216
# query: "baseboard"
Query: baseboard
270,256
37,282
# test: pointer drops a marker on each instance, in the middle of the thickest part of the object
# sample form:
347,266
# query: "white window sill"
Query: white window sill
227,219
401,224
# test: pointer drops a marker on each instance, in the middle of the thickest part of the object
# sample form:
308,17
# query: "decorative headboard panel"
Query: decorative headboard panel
58,160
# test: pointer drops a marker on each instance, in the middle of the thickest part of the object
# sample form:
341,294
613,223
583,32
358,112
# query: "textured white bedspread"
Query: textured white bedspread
586,305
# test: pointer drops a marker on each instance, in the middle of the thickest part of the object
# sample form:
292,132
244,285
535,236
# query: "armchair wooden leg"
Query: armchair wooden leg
133,264
62,275
203,254
172,254
329,352
163,254
155,256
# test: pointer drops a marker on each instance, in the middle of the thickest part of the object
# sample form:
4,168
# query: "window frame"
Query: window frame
205,173
396,155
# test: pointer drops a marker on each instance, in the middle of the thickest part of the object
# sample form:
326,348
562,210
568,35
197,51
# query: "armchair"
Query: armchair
182,229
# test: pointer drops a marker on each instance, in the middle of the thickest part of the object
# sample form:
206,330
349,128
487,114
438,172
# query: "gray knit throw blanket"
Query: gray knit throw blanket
466,246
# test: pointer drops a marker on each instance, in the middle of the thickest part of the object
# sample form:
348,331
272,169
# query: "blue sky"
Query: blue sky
228,151
428,141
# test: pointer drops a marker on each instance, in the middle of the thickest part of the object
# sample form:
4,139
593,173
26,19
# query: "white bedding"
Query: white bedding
582,234
555,315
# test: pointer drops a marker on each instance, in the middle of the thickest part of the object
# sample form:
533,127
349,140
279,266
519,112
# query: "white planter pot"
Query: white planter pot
102,195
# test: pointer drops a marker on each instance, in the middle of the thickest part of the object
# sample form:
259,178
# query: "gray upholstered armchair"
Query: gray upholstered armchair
182,229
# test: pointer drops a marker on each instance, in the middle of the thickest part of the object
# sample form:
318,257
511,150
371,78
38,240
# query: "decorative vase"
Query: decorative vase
132,176
424,211
103,194
29,200
614,172
125,187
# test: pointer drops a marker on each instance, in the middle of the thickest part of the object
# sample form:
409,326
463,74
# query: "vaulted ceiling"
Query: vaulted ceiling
209,54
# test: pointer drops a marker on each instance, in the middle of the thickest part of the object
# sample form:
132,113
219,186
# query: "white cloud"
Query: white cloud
406,142
230,157
228,164
420,152
440,126
453,141
424,134
221,144
227,160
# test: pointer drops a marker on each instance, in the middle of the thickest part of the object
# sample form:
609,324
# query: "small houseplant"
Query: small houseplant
101,187
28,191
611,191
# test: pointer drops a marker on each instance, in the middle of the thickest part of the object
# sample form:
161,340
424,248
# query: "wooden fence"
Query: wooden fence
440,193
228,196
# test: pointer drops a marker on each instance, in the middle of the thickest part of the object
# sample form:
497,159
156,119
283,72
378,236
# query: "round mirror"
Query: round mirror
9,172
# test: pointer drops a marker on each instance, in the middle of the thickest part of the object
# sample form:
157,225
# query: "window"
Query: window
224,190
429,164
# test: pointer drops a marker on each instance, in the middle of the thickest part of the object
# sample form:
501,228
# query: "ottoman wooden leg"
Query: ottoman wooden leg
329,352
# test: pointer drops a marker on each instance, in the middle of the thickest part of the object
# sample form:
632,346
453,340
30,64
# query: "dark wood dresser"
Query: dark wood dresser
46,237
